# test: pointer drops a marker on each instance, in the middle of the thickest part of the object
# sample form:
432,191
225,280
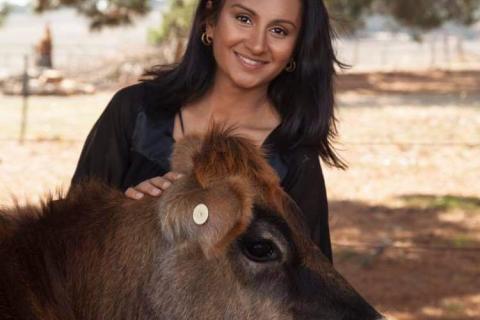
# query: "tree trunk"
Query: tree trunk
460,49
446,49
433,53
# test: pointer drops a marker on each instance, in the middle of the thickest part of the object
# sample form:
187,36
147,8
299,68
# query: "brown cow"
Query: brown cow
98,255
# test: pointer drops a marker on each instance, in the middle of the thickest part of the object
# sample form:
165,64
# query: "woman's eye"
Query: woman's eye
243,19
279,31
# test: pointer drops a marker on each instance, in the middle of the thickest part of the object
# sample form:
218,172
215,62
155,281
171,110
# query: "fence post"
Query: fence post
25,94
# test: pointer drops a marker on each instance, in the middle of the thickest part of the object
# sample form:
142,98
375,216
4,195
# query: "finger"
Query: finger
148,187
160,182
133,194
172,176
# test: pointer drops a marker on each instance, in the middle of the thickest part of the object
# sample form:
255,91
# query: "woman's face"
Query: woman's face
253,40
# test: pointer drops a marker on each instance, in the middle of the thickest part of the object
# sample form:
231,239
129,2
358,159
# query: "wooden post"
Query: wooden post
25,94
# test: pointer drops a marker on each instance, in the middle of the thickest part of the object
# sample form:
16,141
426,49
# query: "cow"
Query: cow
223,242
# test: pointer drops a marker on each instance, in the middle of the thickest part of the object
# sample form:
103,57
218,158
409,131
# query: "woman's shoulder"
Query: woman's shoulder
292,155
131,96
130,101
302,157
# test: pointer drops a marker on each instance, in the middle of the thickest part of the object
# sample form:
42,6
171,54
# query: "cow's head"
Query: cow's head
234,246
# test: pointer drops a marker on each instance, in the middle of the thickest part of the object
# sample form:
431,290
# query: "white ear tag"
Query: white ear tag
200,214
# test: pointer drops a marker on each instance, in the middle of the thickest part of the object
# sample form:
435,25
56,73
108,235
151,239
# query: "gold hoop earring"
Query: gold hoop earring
206,39
291,66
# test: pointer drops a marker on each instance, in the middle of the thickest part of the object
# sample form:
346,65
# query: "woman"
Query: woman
266,67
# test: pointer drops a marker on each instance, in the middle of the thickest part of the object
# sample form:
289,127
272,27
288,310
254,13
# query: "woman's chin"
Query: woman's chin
249,84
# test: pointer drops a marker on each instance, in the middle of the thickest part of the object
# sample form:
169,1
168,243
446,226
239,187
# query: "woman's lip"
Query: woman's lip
247,62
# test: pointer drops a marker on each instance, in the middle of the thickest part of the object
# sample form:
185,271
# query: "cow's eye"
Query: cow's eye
260,250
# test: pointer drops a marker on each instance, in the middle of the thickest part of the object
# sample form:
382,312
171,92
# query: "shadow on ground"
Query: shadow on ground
405,83
418,257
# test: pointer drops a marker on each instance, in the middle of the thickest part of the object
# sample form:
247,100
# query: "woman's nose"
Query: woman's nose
256,42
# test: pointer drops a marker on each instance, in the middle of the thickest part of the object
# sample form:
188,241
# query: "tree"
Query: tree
348,15
426,15
4,10
176,21
417,15
100,12
175,25
464,13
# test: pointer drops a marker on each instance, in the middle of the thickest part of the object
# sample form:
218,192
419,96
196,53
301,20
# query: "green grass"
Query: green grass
462,240
454,309
444,203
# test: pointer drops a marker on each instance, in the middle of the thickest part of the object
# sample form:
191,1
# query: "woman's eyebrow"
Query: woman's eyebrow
255,14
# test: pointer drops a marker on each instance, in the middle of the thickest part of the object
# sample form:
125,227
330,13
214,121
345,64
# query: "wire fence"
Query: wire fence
384,51
436,144
381,247
380,51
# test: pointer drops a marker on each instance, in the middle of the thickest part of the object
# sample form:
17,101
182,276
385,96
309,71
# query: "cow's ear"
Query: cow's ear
212,217
184,152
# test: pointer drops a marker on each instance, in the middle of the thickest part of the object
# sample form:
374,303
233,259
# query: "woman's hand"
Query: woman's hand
153,186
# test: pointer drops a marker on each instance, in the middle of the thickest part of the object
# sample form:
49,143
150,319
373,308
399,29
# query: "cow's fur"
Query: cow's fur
95,254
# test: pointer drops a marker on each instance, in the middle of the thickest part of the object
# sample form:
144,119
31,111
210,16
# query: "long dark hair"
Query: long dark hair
304,98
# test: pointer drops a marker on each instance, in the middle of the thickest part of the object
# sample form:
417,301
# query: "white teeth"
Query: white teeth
249,61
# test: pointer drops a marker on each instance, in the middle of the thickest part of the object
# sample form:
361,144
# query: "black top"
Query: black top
127,146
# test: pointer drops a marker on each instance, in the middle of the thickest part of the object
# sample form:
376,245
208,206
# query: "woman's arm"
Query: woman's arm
306,185
106,152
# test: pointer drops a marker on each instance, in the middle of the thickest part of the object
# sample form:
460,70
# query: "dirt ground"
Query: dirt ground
405,216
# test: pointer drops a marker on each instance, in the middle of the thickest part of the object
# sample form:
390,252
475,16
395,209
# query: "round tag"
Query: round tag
200,214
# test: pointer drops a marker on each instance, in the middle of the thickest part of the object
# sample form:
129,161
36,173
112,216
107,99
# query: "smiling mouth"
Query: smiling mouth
250,63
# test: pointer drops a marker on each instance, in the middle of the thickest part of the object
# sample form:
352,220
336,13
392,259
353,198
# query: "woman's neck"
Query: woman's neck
248,110
226,102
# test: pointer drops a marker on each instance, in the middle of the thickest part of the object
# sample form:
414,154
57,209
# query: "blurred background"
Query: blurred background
405,216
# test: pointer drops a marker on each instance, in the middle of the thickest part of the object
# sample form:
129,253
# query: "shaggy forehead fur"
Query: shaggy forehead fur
222,153
230,174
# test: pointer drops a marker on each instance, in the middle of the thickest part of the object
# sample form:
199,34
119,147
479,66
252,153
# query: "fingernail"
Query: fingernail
166,184
138,195
179,175
156,192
